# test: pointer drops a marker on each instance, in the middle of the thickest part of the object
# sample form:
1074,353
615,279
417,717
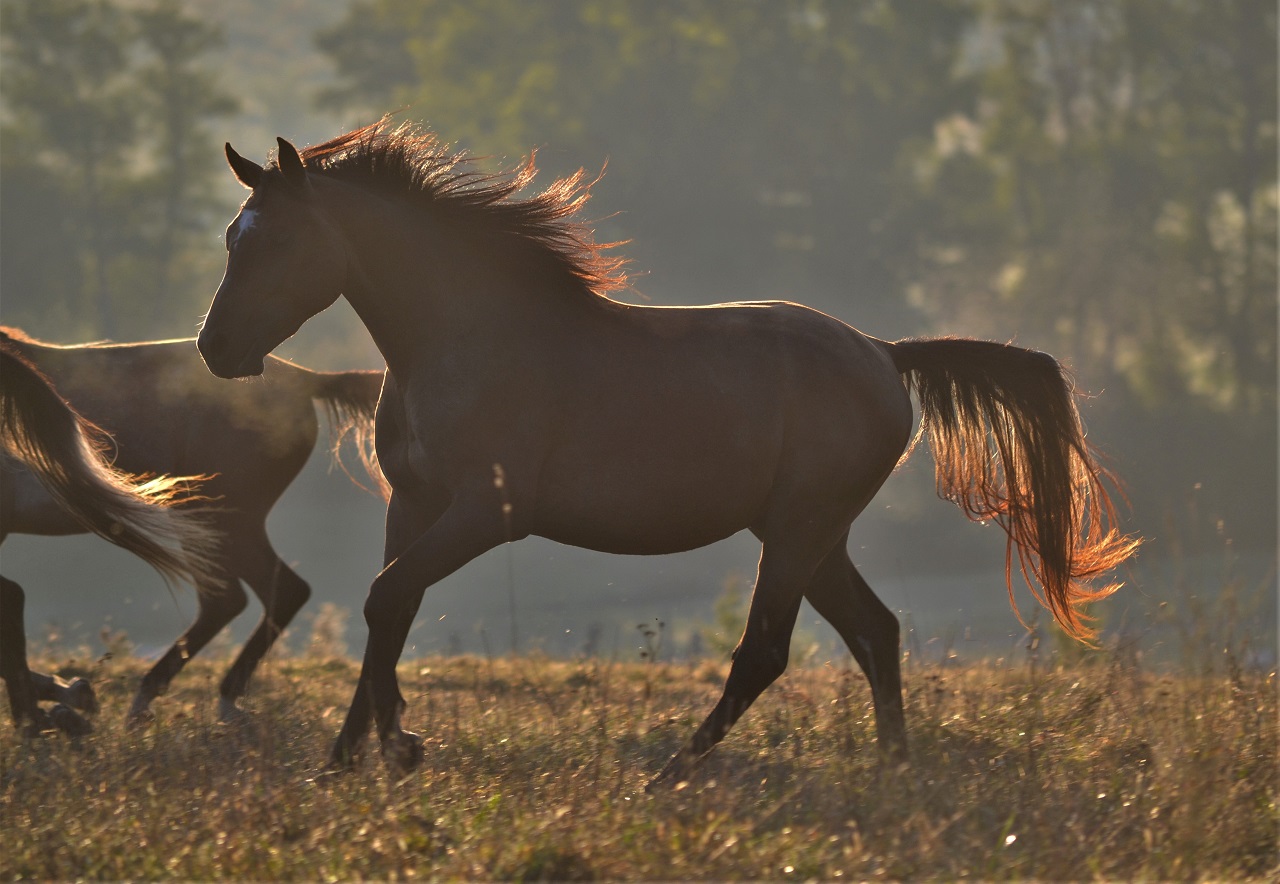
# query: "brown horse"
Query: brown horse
521,400
167,416
44,439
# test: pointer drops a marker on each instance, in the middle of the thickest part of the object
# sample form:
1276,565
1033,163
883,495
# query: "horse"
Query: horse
43,438
521,399
167,416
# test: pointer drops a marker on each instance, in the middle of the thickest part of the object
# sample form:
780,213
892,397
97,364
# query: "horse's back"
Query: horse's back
167,415
844,411
776,363
721,409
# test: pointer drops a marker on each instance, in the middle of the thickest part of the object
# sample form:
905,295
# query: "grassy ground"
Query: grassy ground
535,771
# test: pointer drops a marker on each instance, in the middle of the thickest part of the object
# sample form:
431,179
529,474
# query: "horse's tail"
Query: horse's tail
64,451
351,400
1009,446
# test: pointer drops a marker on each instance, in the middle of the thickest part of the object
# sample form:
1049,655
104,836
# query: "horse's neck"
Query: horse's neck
418,285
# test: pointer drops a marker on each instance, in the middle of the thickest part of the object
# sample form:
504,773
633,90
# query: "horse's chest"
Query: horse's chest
439,434
408,453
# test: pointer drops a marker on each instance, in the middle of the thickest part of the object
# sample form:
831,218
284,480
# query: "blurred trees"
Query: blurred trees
760,147
1111,197
1115,157
107,206
1054,170
1094,178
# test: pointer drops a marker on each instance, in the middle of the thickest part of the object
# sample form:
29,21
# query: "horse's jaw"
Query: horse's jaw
228,362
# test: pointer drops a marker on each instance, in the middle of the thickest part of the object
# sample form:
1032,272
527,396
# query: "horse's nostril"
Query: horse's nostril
208,339
211,344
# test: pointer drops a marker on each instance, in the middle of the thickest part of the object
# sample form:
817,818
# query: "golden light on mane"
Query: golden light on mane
413,164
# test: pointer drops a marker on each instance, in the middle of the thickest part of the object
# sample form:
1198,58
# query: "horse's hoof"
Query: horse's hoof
79,694
403,751
329,775
343,758
38,724
230,713
673,777
895,757
70,722
337,765
139,717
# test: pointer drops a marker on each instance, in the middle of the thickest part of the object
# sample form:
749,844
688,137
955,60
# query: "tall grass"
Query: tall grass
535,770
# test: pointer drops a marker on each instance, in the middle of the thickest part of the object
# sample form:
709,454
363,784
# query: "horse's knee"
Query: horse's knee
225,601
385,605
293,593
882,631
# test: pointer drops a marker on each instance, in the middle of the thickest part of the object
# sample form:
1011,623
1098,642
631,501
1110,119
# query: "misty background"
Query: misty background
1094,179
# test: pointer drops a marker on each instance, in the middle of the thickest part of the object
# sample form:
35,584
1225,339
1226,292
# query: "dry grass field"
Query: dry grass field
535,769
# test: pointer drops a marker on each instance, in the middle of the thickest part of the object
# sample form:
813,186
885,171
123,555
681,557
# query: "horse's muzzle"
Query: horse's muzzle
226,360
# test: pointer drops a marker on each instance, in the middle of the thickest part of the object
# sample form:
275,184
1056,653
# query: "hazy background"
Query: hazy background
1094,179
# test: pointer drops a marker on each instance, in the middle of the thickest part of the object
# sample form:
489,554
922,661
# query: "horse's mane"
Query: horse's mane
412,164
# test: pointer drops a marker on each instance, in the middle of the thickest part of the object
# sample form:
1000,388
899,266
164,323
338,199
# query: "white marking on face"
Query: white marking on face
243,224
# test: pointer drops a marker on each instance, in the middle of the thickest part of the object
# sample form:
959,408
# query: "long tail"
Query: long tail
64,451
351,400
1009,446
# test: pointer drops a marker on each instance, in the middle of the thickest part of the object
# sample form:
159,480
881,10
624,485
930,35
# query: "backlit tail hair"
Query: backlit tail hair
1009,446
65,452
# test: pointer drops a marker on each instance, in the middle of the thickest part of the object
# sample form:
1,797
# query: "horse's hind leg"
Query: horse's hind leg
870,629
221,600
282,593
761,655
78,692
13,659
21,683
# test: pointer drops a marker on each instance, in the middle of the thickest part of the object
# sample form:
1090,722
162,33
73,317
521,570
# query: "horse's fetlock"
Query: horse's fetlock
403,750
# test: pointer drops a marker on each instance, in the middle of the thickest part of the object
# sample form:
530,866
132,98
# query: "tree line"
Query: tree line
1096,177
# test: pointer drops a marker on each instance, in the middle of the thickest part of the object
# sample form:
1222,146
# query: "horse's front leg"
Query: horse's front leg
13,659
472,524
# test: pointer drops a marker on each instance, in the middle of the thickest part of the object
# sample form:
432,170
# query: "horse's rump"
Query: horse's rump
64,452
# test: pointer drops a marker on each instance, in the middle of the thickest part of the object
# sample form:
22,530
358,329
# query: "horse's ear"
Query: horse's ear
291,164
247,172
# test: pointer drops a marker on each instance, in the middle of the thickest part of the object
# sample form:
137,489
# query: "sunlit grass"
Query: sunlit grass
535,769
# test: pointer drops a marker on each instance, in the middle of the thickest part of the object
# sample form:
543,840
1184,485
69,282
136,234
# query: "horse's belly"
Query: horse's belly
637,512
640,536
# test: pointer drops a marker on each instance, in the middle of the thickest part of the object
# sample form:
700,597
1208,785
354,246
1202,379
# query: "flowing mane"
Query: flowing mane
414,165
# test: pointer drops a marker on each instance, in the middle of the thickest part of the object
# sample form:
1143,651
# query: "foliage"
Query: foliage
107,161
1114,166
1054,169
760,144
1096,179
535,768
730,613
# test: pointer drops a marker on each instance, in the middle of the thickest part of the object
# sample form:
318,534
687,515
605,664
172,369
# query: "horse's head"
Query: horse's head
285,263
